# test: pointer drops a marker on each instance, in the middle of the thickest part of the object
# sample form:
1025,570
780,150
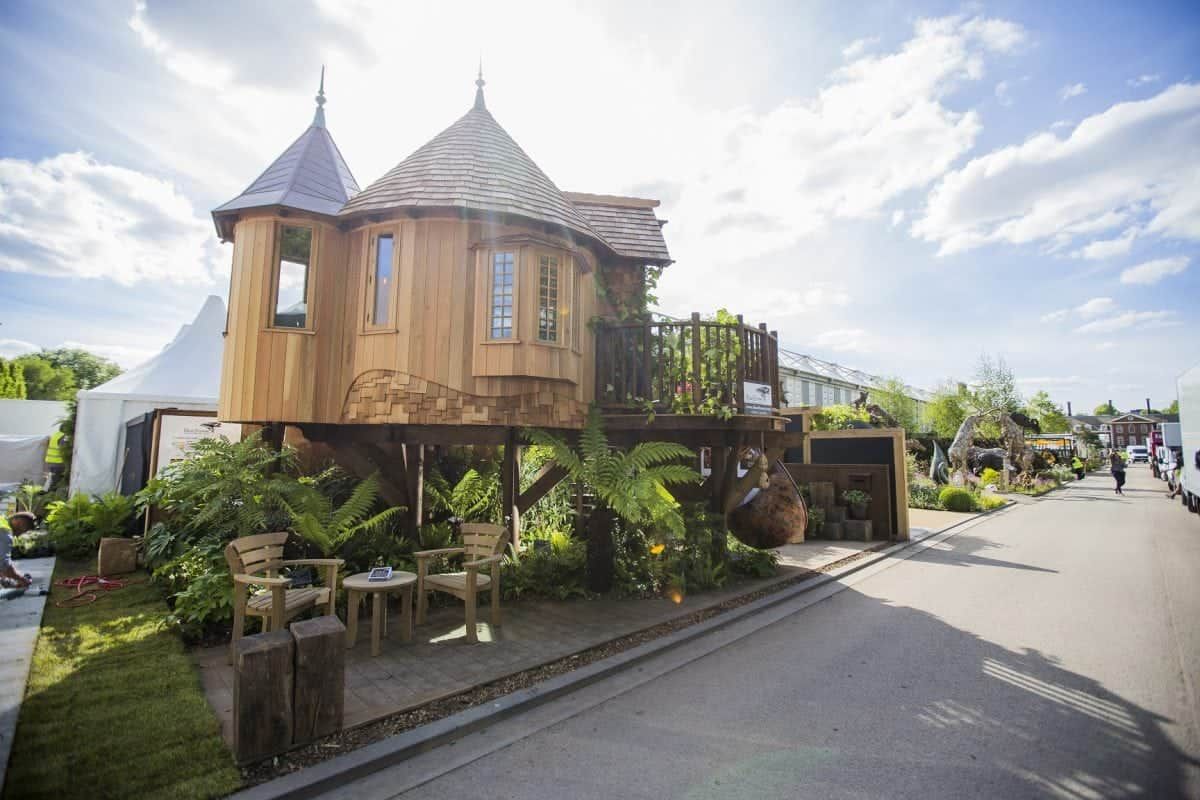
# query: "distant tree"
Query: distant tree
1049,414
995,386
1174,407
12,381
89,369
44,381
949,406
1105,408
893,397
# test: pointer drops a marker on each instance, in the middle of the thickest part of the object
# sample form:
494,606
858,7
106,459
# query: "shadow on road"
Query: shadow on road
961,717
965,553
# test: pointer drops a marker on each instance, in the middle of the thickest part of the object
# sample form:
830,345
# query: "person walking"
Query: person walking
1116,465
1077,465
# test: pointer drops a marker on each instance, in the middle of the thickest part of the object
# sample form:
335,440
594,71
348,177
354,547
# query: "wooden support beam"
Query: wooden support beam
550,476
729,479
392,470
354,459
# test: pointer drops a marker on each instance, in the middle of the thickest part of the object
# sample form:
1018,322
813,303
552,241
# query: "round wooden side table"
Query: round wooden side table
357,587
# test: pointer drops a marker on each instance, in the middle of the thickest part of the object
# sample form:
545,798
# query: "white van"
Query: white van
1137,452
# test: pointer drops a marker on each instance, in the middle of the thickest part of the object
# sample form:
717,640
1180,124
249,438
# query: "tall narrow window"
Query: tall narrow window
502,296
381,313
548,299
291,278
575,311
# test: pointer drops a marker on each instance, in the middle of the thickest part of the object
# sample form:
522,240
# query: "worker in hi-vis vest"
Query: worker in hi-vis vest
54,460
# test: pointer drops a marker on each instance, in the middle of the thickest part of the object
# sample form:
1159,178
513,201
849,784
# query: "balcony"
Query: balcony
693,367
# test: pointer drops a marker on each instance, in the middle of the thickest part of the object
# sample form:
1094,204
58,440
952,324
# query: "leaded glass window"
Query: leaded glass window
502,296
548,275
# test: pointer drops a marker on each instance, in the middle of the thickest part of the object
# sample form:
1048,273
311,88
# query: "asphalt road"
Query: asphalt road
1048,651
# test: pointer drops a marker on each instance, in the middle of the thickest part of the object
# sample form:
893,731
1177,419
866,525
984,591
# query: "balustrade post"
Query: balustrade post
773,343
697,392
740,389
646,388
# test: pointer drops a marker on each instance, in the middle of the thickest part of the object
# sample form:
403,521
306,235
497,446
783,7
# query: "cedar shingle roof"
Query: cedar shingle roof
628,224
311,175
473,164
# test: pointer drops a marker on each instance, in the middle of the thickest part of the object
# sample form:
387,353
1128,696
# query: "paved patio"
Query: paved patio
20,621
439,662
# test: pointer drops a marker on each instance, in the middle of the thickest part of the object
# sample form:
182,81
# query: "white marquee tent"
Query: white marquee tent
185,375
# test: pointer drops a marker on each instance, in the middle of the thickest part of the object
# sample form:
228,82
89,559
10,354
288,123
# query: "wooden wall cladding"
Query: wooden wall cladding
429,363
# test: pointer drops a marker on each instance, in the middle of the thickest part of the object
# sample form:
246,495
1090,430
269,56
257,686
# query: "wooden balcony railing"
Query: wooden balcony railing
687,367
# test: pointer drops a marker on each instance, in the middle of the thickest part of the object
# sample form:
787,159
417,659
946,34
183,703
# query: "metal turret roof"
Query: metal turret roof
310,175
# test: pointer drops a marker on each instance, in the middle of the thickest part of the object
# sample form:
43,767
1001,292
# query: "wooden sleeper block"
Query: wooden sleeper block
263,673
858,530
320,678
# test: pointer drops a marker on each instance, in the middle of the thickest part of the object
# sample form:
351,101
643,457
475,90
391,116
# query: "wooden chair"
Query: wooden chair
483,545
254,561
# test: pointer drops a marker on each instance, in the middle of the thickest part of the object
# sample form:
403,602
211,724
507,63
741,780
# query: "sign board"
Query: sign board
178,432
758,398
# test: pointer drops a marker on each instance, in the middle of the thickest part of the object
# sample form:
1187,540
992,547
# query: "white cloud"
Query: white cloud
1141,80
195,68
1151,272
1129,319
1136,159
1071,90
71,215
845,340
1095,306
878,129
1108,248
1102,346
1003,96
1051,381
11,348
858,47
897,217
124,354
1091,308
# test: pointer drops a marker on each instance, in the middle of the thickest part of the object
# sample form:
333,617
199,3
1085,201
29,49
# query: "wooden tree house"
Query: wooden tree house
459,298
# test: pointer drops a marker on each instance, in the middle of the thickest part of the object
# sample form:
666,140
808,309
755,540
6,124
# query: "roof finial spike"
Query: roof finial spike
319,117
479,84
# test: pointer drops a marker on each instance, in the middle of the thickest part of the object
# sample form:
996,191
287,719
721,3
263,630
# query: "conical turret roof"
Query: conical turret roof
473,164
310,175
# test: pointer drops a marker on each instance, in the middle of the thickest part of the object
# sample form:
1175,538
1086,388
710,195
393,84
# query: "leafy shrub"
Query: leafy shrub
839,417
1062,474
751,562
111,515
990,477
34,544
70,525
553,568
923,493
816,521
855,497
953,498
986,502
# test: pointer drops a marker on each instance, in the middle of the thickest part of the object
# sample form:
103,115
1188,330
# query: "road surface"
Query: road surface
1048,651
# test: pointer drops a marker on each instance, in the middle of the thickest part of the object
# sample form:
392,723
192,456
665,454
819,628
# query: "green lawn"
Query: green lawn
114,706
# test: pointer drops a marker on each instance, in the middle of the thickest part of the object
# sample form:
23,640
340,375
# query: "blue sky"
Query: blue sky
899,189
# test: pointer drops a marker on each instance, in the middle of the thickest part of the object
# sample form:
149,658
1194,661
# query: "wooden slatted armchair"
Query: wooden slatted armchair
255,561
483,546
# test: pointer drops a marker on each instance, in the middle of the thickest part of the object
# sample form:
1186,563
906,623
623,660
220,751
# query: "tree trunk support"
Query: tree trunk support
510,484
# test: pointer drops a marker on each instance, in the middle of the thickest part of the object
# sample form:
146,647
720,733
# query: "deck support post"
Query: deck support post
414,468
510,484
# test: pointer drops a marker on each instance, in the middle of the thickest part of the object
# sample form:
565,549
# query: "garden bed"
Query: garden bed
113,706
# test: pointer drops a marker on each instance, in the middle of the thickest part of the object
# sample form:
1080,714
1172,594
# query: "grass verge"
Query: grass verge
114,706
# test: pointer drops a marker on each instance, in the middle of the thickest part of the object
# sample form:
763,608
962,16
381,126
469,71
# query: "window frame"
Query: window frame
489,265
309,280
563,299
368,322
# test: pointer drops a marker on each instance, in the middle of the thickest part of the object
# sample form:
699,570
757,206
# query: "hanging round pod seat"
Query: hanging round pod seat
773,517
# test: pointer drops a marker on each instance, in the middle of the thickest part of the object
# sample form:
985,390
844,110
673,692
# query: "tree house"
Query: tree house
461,297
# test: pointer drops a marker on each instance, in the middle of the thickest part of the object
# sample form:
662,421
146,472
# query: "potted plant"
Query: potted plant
858,501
